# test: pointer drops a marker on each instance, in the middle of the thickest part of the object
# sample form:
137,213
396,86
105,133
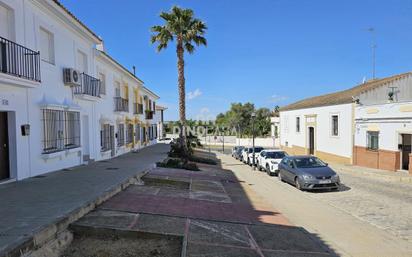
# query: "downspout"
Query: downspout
353,105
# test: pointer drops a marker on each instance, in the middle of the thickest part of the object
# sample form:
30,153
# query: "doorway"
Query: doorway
4,147
112,145
311,140
406,150
85,134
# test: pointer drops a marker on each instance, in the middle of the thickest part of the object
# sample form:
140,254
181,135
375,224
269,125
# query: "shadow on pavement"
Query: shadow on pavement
213,212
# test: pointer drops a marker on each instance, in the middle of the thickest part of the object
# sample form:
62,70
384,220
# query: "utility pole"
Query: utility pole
373,47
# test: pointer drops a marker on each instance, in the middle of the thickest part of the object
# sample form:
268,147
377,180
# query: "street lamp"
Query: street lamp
253,139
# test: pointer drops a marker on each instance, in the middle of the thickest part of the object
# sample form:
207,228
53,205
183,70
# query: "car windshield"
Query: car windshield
275,155
309,162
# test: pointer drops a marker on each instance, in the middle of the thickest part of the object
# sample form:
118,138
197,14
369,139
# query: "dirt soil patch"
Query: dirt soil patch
114,246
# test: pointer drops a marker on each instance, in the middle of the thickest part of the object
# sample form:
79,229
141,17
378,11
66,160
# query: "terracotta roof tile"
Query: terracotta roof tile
341,97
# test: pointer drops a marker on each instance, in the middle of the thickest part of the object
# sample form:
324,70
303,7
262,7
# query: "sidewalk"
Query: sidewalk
34,210
374,173
208,213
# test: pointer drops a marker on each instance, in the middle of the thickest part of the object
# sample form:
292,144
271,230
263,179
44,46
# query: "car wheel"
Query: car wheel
280,177
297,184
268,169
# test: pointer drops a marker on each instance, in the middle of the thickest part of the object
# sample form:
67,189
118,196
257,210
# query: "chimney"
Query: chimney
134,70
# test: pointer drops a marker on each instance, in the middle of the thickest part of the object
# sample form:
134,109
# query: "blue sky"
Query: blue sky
269,52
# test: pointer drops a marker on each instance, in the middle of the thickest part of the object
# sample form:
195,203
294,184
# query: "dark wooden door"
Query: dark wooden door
112,146
406,150
4,147
311,140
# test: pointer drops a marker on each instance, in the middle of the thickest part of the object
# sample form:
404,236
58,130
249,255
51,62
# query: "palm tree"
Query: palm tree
180,25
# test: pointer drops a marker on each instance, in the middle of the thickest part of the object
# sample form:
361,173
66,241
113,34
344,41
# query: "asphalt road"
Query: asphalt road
367,217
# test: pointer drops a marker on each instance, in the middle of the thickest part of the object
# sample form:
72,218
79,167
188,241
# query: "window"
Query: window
46,46
297,124
71,129
105,138
117,88
61,130
129,134
5,22
335,125
102,79
372,140
81,61
120,135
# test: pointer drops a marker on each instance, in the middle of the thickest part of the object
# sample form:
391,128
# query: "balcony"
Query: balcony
19,61
137,108
149,115
89,86
121,104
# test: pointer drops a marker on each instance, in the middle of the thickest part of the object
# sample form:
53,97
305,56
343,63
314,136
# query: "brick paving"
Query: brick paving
216,215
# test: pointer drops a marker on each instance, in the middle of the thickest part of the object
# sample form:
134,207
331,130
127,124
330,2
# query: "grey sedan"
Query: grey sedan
307,173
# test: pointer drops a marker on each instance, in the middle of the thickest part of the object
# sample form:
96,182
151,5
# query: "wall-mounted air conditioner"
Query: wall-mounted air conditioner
71,77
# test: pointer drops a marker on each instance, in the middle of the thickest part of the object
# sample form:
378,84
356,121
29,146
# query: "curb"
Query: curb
50,231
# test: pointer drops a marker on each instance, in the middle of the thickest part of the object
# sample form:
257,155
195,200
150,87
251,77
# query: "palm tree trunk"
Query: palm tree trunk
182,93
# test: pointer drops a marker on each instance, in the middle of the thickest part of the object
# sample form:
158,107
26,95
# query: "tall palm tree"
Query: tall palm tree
182,26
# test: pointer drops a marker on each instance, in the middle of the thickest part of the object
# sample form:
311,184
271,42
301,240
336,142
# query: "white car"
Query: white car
245,154
269,160
258,149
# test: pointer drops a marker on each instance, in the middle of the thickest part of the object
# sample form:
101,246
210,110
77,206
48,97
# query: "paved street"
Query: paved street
368,217
385,204
46,203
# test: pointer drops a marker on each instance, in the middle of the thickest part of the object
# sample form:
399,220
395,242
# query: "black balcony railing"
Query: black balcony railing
121,104
19,61
137,108
88,86
149,115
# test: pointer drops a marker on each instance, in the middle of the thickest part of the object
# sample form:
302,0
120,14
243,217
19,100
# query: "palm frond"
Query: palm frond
189,48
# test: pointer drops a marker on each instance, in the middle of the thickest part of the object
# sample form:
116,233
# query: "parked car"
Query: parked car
245,154
258,149
307,173
235,149
268,160
238,153
165,140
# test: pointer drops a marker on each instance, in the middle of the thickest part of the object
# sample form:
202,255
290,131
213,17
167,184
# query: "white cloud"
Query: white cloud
194,94
204,110
278,98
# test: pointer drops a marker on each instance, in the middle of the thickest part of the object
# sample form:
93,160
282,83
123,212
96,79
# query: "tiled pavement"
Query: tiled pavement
33,209
216,215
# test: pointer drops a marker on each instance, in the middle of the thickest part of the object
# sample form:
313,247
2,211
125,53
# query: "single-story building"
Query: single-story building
325,125
383,120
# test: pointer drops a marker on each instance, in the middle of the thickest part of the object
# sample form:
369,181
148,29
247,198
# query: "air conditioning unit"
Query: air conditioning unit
71,77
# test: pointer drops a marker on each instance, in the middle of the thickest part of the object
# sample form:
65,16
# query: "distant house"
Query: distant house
325,125
383,120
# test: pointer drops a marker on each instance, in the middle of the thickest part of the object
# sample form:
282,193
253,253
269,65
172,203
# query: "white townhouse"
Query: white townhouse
325,125
63,101
383,118
125,115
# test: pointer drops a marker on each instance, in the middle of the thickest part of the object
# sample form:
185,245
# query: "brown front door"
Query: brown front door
311,140
406,150
112,146
4,147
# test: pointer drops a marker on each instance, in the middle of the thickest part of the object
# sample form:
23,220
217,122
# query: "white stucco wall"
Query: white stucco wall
324,141
390,120
22,98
